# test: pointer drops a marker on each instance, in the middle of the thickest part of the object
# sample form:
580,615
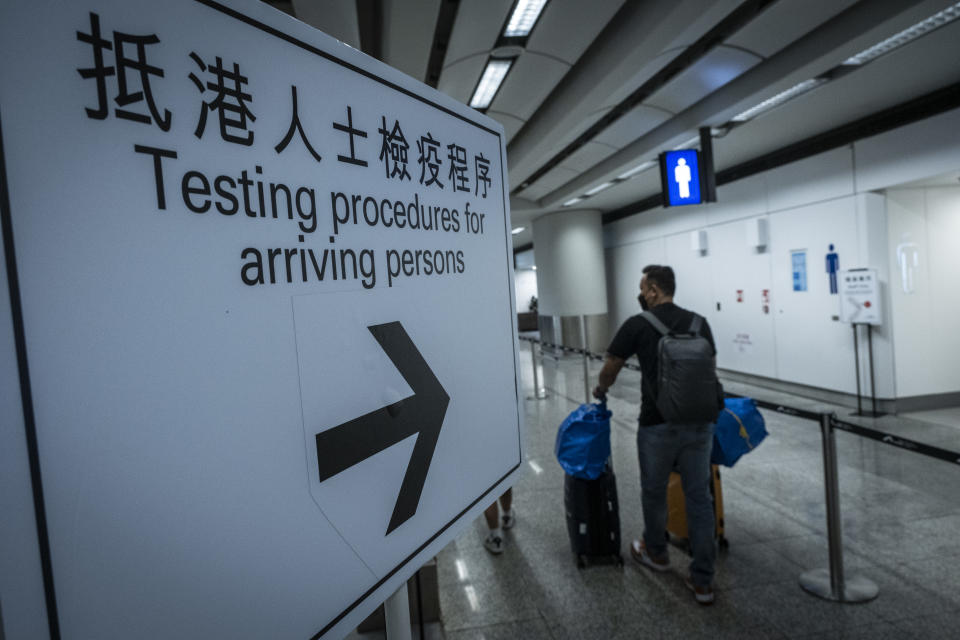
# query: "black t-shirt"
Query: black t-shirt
637,336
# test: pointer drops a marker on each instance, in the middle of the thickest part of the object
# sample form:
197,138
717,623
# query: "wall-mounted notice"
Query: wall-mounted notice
798,264
265,286
743,342
860,297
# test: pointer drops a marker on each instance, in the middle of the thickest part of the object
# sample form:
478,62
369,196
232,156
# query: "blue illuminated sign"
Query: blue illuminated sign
681,177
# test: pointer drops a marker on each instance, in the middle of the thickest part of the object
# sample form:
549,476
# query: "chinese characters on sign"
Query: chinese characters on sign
129,86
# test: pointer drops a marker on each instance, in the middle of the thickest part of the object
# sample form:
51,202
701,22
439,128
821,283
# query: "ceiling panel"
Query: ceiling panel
628,128
511,124
553,179
475,29
557,143
623,193
710,14
567,27
587,156
337,18
883,83
712,71
783,22
530,80
400,19
459,80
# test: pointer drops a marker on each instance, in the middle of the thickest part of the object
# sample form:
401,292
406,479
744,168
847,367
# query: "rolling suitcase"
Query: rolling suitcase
677,510
593,517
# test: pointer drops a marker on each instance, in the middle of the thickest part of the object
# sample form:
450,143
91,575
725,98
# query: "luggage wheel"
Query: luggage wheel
581,563
723,542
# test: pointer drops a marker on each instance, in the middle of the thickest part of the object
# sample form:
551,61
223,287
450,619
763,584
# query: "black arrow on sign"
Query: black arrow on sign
422,413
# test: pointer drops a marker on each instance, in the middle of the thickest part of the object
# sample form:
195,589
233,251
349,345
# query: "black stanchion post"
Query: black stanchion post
873,386
586,370
831,584
856,363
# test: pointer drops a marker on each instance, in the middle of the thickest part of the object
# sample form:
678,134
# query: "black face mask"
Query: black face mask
643,302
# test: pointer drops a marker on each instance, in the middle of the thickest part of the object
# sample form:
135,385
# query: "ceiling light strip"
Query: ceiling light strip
524,16
909,34
597,189
777,100
490,83
640,168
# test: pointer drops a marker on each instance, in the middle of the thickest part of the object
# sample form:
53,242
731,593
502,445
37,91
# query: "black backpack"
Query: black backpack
687,374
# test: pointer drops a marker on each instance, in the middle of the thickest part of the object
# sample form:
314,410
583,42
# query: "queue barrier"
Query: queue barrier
830,583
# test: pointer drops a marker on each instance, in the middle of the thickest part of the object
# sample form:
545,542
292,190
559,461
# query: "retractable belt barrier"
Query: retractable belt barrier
829,583
880,436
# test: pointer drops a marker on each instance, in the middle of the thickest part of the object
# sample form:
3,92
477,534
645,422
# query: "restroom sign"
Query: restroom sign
680,177
267,317
860,299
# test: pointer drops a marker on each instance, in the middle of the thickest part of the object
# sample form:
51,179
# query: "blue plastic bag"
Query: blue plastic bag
583,441
740,429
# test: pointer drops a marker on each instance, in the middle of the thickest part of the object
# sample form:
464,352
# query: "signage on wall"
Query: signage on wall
275,244
765,300
833,266
798,264
860,300
739,295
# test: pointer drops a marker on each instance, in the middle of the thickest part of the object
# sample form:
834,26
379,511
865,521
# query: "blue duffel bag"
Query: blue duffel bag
740,429
583,441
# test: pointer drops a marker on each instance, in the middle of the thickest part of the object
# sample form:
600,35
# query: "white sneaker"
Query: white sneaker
494,544
507,520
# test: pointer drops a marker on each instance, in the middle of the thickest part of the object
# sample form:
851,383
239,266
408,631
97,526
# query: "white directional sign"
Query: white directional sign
262,305
860,300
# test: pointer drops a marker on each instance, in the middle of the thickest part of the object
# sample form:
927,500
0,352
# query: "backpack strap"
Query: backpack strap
655,322
696,324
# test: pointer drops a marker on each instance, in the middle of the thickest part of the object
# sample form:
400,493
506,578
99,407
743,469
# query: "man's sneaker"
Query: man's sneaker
507,520
638,549
704,595
494,544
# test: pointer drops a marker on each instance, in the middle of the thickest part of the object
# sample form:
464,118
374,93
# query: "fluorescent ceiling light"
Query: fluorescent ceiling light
640,168
490,81
598,188
517,230
778,99
909,34
572,201
523,18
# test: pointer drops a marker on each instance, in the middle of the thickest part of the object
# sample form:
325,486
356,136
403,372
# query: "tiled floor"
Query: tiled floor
901,529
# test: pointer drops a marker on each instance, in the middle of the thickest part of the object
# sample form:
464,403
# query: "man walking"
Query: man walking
676,441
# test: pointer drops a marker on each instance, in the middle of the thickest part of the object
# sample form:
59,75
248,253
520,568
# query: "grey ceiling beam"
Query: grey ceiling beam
814,53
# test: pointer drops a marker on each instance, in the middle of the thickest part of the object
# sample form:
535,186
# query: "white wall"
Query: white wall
927,344
525,286
809,205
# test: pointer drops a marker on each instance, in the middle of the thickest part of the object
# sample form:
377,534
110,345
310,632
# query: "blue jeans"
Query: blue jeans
661,449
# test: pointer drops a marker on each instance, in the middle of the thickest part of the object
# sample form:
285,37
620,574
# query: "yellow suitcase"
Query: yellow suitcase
677,510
